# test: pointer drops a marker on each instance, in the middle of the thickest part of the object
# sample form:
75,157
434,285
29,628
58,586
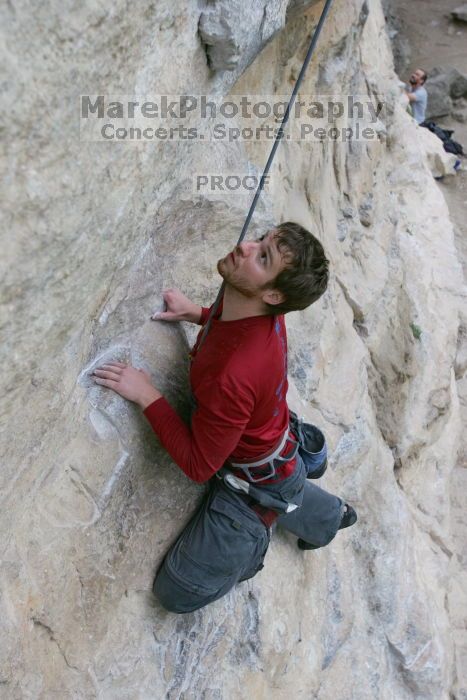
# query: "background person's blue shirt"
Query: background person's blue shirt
419,104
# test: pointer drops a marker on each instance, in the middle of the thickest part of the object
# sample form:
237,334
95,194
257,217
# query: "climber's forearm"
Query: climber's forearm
148,395
195,315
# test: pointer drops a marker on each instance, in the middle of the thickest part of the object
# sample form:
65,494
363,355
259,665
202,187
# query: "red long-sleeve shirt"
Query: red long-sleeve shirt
239,384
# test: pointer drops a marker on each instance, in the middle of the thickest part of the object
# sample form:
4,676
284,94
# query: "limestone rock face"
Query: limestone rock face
233,36
460,13
439,101
93,233
454,80
440,162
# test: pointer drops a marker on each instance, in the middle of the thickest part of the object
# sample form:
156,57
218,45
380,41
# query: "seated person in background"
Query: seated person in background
417,95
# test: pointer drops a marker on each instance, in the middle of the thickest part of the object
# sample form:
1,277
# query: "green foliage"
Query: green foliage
416,330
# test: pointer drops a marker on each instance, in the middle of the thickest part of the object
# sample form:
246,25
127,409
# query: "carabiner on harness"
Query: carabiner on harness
264,498
248,484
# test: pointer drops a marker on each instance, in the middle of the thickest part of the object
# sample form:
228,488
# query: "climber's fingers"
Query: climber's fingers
108,374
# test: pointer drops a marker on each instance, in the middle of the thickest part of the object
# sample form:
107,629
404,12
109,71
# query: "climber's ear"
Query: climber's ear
273,297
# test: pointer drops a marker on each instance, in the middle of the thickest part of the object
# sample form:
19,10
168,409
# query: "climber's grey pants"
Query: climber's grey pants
225,541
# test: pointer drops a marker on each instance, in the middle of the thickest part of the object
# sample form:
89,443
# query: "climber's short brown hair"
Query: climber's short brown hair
305,277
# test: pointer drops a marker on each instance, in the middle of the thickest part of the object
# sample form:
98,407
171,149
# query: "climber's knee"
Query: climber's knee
174,597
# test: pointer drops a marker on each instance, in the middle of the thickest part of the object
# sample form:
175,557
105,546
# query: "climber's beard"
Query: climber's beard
413,80
235,279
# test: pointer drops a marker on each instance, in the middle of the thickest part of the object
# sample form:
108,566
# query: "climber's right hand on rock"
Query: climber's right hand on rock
178,308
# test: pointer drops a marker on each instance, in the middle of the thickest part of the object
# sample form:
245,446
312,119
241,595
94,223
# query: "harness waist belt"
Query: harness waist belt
274,456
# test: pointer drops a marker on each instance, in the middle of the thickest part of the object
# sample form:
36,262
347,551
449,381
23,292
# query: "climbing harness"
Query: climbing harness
247,484
269,460
275,145
311,447
264,498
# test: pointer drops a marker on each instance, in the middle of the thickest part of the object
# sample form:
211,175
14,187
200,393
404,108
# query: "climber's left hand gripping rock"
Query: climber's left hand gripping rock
131,383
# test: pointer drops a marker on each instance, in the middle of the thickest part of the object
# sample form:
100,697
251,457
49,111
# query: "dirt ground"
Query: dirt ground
436,40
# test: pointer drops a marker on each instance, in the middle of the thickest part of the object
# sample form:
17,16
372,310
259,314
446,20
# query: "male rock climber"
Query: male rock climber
241,419
417,95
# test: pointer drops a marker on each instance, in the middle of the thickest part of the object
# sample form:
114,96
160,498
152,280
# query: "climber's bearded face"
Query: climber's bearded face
253,266
417,77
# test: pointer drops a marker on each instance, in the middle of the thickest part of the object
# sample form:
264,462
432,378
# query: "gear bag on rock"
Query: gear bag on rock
311,446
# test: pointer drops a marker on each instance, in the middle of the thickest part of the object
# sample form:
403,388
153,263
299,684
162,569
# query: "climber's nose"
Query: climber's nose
245,248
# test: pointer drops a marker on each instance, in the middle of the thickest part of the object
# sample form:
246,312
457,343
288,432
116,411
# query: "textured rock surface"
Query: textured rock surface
234,34
455,81
439,100
401,48
440,162
90,503
460,13
444,85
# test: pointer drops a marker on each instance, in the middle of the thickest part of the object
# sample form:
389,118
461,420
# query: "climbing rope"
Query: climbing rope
275,145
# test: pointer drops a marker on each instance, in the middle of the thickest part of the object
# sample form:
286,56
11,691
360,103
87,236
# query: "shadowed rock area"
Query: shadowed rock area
93,232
